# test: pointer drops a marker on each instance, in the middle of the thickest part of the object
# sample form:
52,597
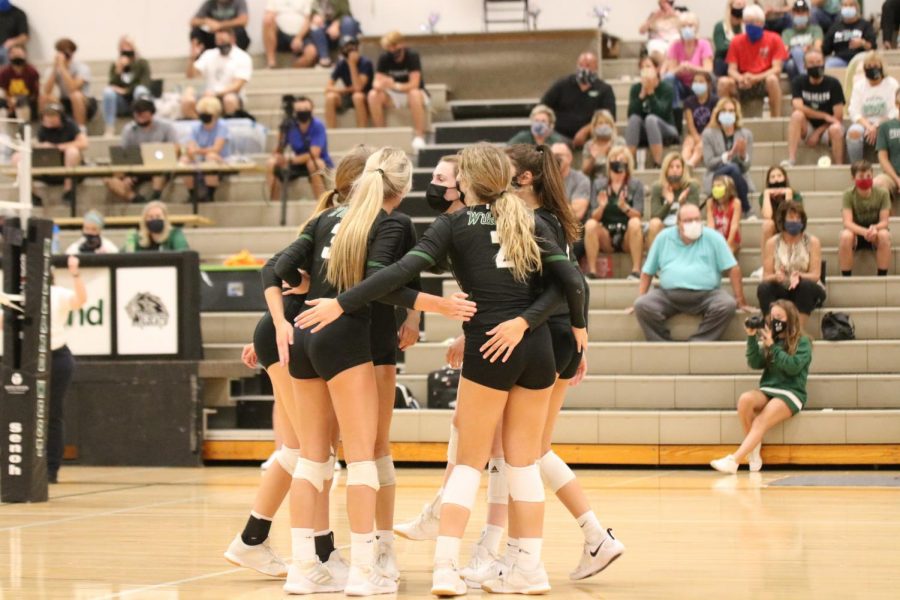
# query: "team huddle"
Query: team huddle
329,343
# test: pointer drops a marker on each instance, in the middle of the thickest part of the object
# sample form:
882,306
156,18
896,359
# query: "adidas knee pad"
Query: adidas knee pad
287,458
462,487
311,471
363,473
498,490
453,444
525,483
555,472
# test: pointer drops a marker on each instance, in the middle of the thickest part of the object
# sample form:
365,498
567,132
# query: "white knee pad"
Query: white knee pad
453,444
386,474
311,471
363,473
498,489
555,471
328,469
525,483
287,458
462,487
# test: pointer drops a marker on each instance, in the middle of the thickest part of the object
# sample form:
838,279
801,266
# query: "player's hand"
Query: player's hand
324,311
580,372
408,334
455,352
73,264
456,307
581,338
504,339
284,339
248,356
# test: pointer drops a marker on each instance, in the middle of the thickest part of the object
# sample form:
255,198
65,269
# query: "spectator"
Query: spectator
575,98
888,147
778,191
399,83
286,28
723,211
13,29
778,14
785,357
890,22
725,31
356,73
578,186
674,189
210,142
129,78
754,62
849,36
156,233
687,58
689,260
615,224
543,120
698,111
332,21
604,138
650,114
58,131
92,240
212,17
871,103
792,265
661,28
19,86
818,108
866,214
728,149
307,138
144,129
73,78
226,70
802,37
826,13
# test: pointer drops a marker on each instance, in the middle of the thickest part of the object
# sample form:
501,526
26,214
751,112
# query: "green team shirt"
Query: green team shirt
784,375
802,37
866,211
889,139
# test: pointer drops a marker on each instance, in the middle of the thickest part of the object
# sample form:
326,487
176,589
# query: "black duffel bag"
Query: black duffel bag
837,326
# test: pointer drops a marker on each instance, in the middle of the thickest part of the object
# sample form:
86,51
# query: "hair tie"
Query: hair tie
380,171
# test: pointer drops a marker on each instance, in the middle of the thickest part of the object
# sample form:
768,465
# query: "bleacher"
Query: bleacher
641,403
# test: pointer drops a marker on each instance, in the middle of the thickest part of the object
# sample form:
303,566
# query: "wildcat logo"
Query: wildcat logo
147,310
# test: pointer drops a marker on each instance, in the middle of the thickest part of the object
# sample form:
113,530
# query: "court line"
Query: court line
170,583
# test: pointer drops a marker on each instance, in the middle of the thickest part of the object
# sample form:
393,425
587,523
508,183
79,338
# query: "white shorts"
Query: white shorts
401,99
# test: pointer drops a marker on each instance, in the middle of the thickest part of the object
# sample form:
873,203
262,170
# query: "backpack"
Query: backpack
404,399
837,326
442,385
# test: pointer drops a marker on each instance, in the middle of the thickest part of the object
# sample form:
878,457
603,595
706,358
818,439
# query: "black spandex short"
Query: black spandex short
564,350
383,335
342,345
264,334
531,365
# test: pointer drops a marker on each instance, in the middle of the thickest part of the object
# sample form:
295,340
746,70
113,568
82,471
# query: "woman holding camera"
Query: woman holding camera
778,347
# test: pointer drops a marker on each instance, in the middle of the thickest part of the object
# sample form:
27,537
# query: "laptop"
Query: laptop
125,156
46,157
160,155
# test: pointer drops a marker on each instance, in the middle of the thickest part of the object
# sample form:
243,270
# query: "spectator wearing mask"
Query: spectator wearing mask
728,149
754,63
778,191
129,78
778,14
578,186
826,13
698,109
818,111
73,78
332,21
661,29
615,223
575,99
156,233
19,86
866,215
59,132
725,31
604,138
92,240
286,28
212,17
210,142
226,71
399,83
541,131
888,148
13,29
850,35
687,58
308,141
650,115
144,129
689,260
674,189
723,211
784,354
871,104
792,265
355,72
800,38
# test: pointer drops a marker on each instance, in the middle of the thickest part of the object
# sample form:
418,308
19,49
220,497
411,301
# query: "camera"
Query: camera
755,322
287,105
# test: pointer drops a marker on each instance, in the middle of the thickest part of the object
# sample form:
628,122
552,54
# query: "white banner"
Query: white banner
89,330
147,310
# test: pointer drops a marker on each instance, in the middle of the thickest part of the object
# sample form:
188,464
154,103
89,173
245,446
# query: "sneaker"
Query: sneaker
310,577
595,559
482,566
387,561
423,527
518,581
445,581
786,163
269,461
755,459
338,567
726,464
261,558
634,276
757,274
418,143
368,581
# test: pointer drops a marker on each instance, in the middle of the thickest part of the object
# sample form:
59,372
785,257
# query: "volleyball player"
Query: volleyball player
493,247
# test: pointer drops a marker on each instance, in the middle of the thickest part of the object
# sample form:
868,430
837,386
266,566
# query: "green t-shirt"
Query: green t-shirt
889,139
720,42
798,197
866,211
176,242
804,38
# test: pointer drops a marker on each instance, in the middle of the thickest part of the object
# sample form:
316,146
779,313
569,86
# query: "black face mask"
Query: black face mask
737,13
303,115
778,327
206,118
778,184
584,76
224,49
91,242
17,62
873,73
156,225
435,196
673,179
816,72
127,54
618,167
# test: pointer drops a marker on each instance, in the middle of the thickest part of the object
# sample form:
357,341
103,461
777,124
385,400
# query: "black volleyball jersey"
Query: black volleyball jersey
469,238
386,312
559,236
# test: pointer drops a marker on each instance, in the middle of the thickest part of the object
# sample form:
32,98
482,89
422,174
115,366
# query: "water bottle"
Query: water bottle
766,112
54,244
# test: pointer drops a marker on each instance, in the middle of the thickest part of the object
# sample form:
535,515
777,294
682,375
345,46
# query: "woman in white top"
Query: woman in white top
92,240
871,104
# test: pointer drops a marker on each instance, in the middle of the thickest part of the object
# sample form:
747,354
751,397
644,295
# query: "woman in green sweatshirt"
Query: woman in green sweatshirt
784,354
650,116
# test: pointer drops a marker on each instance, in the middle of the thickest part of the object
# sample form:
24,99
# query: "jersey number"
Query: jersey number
502,263
326,251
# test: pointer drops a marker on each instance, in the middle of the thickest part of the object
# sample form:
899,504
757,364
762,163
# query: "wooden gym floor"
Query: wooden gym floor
160,533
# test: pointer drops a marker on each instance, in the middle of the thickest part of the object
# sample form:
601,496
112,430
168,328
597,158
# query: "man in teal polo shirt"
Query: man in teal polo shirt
689,260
